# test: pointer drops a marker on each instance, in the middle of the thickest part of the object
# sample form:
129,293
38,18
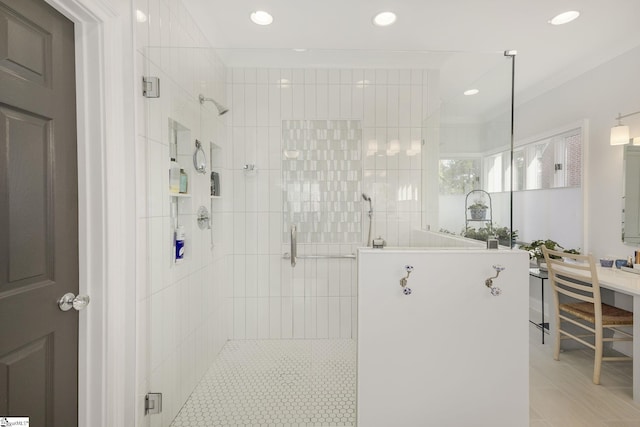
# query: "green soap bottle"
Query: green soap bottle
184,181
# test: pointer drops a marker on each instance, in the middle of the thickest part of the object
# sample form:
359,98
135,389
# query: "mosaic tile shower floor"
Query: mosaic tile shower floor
276,383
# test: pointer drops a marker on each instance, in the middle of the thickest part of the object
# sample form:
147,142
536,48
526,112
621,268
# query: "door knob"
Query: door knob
69,301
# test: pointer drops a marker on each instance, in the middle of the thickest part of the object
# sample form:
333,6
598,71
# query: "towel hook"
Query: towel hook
403,281
495,291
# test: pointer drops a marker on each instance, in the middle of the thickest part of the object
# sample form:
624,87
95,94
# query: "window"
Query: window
493,172
519,169
459,176
554,162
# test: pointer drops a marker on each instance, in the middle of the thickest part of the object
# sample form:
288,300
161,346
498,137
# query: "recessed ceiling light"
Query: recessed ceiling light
471,92
261,17
384,19
141,16
564,17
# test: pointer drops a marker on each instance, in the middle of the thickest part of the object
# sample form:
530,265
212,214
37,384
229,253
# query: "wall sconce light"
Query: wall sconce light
620,132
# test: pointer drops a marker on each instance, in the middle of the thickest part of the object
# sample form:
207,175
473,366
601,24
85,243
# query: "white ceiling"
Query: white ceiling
547,55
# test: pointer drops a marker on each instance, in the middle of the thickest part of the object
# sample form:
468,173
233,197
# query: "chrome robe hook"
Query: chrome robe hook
495,291
404,281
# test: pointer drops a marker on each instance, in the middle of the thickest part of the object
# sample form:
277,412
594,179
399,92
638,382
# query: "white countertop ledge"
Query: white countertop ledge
396,250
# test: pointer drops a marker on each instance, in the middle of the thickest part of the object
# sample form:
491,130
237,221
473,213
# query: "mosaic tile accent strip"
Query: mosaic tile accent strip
276,382
574,160
322,173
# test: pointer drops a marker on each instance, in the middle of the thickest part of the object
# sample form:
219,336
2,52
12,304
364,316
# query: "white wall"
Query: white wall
180,321
449,354
549,214
431,239
597,96
267,299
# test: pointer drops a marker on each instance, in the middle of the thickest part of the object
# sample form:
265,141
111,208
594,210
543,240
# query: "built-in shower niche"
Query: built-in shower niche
180,191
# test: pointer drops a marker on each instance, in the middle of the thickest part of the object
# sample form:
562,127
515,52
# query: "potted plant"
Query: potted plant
478,210
535,249
572,251
503,234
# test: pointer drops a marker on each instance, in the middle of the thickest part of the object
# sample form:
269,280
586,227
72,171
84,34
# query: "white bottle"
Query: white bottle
174,176
179,244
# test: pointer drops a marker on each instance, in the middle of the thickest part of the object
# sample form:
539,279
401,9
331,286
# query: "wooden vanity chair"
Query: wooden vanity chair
578,280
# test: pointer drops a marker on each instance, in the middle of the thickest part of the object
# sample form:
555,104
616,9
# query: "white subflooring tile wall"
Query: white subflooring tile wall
267,299
180,322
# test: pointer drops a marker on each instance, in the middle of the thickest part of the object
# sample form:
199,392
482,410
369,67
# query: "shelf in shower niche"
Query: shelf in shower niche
216,197
179,195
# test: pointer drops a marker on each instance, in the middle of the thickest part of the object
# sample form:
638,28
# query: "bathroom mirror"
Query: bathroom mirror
631,196
199,159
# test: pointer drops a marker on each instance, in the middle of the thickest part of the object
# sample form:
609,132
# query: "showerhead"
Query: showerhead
221,108
366,198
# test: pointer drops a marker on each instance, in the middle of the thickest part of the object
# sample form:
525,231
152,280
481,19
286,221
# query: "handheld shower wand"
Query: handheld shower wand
368,199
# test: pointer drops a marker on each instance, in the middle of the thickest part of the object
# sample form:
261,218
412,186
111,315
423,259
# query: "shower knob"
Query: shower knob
498,268
495,291
408,268
407,291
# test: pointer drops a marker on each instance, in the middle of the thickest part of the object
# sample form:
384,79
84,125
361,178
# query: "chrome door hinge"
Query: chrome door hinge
151,87
153,403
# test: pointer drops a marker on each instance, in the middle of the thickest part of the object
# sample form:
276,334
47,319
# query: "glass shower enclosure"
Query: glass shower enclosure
316,142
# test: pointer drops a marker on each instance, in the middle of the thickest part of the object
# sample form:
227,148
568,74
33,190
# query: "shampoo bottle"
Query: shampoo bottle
179,244
184,182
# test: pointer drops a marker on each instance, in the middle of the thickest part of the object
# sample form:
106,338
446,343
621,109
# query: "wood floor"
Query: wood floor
562,394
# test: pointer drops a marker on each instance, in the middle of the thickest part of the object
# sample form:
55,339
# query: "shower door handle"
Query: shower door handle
294,245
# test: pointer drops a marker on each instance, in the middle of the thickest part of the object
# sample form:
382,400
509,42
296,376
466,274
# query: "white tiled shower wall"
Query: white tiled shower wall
318,298
180,324
322,180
